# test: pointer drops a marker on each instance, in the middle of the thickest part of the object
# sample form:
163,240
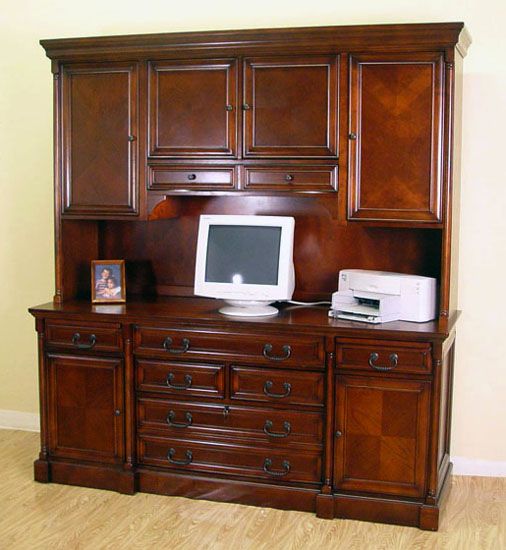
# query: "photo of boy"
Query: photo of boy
108,281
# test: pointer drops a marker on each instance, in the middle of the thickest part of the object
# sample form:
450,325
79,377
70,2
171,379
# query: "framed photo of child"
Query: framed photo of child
108,281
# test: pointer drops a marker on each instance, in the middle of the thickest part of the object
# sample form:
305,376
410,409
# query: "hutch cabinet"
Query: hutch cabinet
353,131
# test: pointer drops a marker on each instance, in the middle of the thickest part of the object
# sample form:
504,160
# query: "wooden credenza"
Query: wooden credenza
355,132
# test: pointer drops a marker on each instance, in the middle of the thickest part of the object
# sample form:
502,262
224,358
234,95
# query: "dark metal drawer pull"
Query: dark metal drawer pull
268,428
77,337
276,473
287,351
288,177
167,344
268,386
172,415
394,358
187,382
172,460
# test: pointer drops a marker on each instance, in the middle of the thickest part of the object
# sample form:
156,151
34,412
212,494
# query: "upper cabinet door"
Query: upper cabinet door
192,108
290,107
99,139
395,137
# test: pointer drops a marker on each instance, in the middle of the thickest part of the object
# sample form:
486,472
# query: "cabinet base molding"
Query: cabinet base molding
86,475
227,490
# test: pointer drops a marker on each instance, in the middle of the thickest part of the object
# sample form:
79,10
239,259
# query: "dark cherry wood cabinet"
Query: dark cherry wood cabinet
193,108
290,107
396,137
99,133
381,435
353,131
86,408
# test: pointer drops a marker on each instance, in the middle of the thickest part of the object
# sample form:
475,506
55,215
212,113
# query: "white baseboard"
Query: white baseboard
463,466
17,420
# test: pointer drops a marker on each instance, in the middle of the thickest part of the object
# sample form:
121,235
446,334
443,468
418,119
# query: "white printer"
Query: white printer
381,296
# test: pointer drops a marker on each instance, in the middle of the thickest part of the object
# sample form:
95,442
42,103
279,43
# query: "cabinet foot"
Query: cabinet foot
41,471
324,506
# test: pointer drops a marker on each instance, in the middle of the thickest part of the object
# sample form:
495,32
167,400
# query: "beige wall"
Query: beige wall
26,245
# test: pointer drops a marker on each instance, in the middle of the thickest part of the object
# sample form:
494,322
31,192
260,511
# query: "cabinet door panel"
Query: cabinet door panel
86,408
384,435
99,121
193,108
290,107
395,137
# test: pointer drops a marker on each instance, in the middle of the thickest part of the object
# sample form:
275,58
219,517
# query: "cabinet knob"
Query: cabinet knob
131,138
352,135
192,177
288,177
117,412
229,108
339,434
246,106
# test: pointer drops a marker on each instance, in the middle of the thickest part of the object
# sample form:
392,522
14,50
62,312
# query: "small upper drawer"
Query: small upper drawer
275,350
191,177
383,356
96,337
181,379
291,178
277,386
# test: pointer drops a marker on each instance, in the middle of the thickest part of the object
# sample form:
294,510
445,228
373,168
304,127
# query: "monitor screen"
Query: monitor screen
243,254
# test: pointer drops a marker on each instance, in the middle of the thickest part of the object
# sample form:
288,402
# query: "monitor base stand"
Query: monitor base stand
240,308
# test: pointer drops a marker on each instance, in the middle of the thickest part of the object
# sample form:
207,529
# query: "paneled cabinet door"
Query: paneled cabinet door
290,107
381,435
86,419
395,137
192,108
99,139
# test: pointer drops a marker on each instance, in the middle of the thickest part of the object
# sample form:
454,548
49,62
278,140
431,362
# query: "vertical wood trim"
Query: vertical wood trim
433,425
343,122
40,326
329,425
58,185
129,413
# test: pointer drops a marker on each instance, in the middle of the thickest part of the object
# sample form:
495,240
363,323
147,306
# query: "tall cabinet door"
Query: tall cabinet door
290,107
99,135
381,435
192,108
86,419
395,137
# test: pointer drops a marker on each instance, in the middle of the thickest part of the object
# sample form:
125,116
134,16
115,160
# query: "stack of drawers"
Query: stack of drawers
245,405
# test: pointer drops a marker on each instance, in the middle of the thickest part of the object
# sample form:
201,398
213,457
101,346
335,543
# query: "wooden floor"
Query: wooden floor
35,515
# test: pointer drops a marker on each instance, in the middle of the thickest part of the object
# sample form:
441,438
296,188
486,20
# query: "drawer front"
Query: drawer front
384,356
83,337
191,177
290,178
273,350
277,386
270,426
181,379
271,464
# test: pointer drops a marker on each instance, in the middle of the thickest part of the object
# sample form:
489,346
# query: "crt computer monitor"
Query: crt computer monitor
245,260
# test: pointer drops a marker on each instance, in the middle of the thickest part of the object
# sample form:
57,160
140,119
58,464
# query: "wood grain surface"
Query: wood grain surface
40,516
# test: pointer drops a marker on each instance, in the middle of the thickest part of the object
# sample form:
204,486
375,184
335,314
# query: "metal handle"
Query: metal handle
187,382
172,460
288,177
287,351
352,135
393,357
276,473
246,106
167,344
117,412
131,138
192,177
172,424
268,386
268,428
229,107
77,337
